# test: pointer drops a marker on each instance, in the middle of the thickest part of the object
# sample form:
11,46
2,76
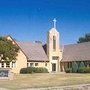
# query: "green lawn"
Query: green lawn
44,80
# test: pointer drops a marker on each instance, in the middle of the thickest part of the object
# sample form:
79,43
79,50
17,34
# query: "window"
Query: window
36,64
54,43
31,64
2,64
27,64
45,64
69,64
7,64
55,57
13,64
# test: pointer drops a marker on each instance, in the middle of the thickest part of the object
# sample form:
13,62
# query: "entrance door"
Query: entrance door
53,67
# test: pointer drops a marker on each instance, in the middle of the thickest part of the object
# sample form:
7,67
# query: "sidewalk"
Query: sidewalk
72,87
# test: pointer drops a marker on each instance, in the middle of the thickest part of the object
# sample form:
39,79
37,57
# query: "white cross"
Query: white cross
54,22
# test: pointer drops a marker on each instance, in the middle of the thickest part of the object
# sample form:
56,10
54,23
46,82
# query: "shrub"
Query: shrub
33,70
26,70
74,67
23,71
77,68
87,70
41,70
84,70
81,70
68,70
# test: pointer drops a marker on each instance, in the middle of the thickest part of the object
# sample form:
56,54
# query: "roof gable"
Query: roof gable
34,51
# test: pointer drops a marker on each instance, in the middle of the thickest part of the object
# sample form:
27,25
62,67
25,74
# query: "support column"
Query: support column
58,65
0,65
63,67
10,64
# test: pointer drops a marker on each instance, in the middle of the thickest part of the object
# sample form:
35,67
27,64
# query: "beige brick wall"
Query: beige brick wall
21,62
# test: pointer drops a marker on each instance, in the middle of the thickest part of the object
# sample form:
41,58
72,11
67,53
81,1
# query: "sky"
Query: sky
30,20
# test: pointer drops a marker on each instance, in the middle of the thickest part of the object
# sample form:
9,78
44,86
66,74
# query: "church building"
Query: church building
50,56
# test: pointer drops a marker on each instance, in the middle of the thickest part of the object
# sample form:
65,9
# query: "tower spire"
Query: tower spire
54,22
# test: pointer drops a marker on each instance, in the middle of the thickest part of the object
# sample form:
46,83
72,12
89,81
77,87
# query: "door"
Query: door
53,67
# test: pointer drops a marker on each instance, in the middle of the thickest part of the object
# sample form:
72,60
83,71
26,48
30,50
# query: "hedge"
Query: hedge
87,70
33,70
80,70
77,68
68,70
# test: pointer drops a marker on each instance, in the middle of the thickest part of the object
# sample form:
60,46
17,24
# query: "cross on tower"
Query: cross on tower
54,20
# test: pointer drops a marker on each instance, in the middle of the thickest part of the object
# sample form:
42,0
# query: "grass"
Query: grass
44,80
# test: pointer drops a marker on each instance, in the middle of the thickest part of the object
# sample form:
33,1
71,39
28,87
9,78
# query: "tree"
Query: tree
81,67
74,67
86,38
8,50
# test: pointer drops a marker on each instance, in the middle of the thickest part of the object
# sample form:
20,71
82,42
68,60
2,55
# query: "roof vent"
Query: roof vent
39,42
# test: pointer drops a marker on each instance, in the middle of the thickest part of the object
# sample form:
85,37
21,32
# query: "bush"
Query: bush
33,70
84,70
81,70
26,70
41,70
23,71
77,68
87,70
68,70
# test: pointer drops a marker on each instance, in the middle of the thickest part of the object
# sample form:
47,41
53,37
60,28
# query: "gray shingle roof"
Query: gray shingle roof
34,51
76,52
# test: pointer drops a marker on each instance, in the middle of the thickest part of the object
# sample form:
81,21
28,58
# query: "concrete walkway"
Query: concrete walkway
71,87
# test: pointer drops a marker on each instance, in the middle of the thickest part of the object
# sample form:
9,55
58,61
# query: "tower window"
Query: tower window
54,43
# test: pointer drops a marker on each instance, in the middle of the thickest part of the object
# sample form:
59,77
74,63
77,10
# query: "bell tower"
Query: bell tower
53,49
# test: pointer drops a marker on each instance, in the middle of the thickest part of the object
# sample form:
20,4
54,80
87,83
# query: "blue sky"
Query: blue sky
30,20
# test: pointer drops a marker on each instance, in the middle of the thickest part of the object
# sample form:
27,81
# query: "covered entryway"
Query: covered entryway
53,66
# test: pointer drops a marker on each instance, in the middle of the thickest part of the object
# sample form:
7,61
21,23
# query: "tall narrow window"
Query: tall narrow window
54,43
7,64
2,64
13,64
27,64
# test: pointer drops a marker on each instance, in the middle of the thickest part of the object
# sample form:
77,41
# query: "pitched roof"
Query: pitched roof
76,52
34,51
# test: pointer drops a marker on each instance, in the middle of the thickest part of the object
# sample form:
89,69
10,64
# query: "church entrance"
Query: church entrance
53,67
